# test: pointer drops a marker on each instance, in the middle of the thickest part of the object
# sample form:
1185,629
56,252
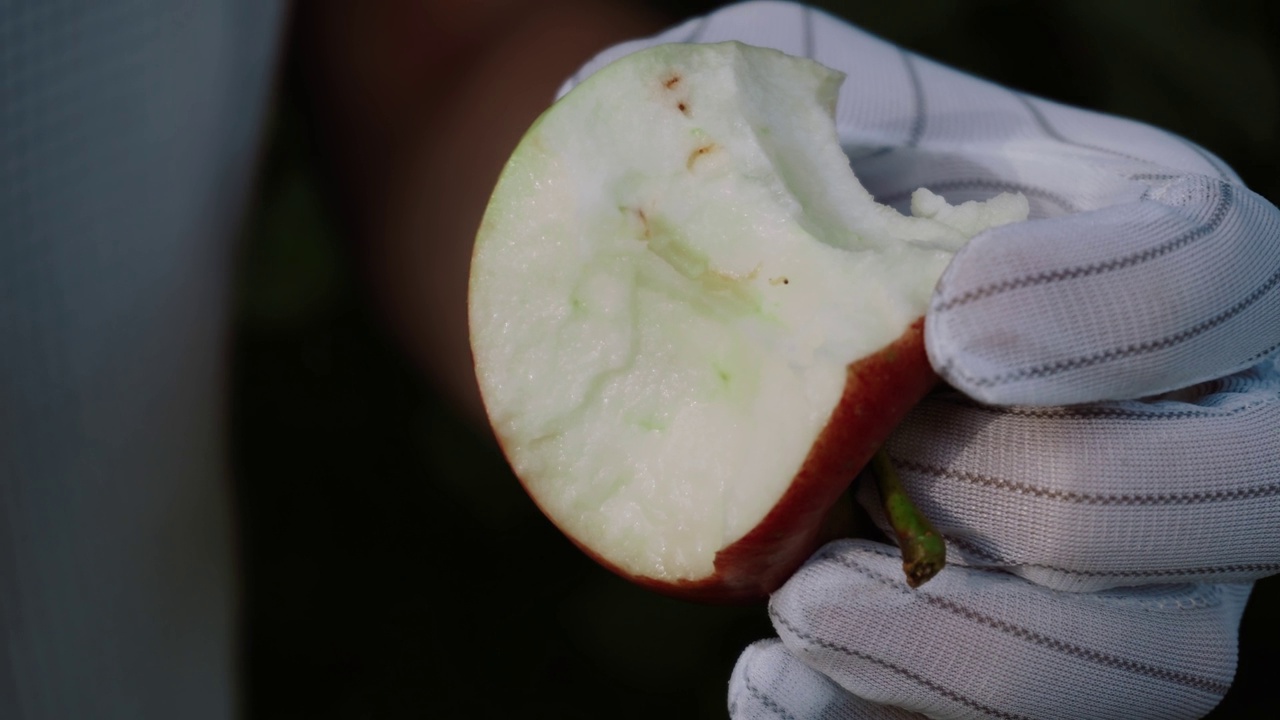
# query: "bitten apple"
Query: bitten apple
692,326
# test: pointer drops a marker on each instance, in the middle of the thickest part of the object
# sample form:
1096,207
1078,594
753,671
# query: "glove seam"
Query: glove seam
1217,687
1226,201
892,667
1109,412
1054,134
1082,498
767,701
1142,348
1172,574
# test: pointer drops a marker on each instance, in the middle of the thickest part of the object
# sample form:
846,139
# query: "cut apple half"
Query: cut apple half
692,326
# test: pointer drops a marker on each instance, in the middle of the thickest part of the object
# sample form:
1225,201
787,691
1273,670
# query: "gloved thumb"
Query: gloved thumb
1178,287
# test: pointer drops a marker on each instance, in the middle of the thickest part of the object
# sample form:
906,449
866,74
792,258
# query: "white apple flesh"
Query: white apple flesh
691,324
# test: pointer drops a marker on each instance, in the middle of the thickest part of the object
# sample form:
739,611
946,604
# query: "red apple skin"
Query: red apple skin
879,391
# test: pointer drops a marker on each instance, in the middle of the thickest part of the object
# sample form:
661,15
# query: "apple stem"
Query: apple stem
923,551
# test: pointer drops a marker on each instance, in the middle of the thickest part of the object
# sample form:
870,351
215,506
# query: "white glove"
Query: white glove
1147,268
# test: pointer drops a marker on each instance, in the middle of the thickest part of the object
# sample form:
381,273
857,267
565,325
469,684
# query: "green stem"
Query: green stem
923,552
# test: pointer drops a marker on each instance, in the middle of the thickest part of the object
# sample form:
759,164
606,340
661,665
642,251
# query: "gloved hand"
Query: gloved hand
1101,554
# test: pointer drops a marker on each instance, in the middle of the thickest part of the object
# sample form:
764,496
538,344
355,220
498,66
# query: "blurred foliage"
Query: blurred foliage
395,568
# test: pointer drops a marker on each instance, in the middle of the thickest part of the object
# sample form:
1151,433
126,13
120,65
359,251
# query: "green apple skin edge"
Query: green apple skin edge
923,551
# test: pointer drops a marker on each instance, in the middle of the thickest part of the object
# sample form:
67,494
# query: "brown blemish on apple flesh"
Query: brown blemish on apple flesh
644,223
699,152
670,82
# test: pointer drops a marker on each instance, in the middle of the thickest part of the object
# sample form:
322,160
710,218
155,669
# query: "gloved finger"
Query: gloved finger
1089,497
980,643
1177,288
769,683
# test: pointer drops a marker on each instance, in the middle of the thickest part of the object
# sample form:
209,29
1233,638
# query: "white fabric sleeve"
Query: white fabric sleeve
128,131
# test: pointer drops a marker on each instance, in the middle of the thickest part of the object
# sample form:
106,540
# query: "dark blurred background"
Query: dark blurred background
394,566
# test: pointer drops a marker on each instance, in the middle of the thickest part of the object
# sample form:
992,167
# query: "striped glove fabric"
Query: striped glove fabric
1106,467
